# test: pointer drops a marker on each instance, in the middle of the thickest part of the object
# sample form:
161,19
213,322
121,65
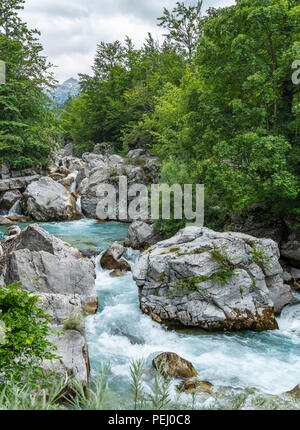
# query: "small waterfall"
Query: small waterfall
78,206
73,185
16,209
289,320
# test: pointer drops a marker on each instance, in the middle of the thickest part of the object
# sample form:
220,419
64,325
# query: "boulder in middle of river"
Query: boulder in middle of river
214,281
171,364
111,259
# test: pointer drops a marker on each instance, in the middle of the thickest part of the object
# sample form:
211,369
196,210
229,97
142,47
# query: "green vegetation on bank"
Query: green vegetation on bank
24,328
215,102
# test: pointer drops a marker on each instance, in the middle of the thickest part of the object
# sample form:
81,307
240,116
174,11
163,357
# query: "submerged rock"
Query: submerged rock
116,274
141,236
196,385
215,281
48,200
111,259
171,364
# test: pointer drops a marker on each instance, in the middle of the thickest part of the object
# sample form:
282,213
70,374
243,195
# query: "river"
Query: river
119,332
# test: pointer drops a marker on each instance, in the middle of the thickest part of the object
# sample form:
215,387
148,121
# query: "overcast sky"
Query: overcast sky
71,29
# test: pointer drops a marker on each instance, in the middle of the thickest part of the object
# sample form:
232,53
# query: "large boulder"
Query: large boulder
93,161
45,264
47,200
111,259
103,148
136,153
44,272
108,173
17,183
141,236
35,238
68,150
67,317
214,281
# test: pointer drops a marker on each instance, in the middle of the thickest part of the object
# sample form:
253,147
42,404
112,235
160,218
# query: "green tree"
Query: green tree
25,121
184,25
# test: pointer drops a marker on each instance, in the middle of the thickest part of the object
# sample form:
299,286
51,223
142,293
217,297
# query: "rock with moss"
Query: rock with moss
214,281
172,365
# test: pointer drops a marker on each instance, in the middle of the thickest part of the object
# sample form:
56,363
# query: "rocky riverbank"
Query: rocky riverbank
65,283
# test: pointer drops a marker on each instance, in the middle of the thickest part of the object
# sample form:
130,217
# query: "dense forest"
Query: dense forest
214,101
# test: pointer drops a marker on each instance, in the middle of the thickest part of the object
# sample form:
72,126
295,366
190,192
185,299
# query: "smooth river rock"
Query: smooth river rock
171,364
48,200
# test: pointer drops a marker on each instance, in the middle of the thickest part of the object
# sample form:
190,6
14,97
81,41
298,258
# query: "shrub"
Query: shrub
24,344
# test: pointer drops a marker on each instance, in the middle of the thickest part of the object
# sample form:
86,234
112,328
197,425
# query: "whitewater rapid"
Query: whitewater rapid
119,332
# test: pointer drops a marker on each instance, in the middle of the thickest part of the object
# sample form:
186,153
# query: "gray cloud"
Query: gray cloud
71,29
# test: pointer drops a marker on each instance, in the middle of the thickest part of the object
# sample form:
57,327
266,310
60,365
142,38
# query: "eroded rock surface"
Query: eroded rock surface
214,281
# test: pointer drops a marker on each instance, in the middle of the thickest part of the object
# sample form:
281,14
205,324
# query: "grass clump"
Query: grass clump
175,249
75,321
259,257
